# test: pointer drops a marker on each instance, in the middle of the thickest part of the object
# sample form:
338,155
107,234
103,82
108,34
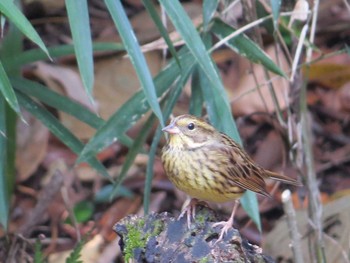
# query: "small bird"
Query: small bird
208,165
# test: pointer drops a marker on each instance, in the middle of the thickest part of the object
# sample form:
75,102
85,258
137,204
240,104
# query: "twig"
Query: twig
315,205
292,226
45,199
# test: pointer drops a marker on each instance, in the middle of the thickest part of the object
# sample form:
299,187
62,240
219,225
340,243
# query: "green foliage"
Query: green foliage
135,239
75,255
82,211
38,254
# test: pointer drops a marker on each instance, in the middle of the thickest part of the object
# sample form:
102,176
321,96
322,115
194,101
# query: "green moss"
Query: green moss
201,218
158,227
135,239
204,260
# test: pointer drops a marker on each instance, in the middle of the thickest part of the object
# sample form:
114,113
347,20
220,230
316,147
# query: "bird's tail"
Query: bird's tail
283,178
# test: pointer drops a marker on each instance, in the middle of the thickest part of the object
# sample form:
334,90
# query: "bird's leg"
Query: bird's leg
190,210
226,225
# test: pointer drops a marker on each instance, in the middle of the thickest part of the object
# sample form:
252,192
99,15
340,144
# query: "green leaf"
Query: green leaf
58,130
251,206
245,47
162,30
10,10
137,58
275,6
133,151
34,55
75,255
134,108
78,16
82,211
7,91
196,103
4,195
38,253
209,8
63,104
347,48
105,193
185,27
57,101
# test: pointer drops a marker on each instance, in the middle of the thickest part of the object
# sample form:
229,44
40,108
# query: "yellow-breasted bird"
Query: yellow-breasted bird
208,165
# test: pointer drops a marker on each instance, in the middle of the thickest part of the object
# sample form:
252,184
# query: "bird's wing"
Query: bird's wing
247,179
241,169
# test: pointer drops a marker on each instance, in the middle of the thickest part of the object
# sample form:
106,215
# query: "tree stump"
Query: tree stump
163,238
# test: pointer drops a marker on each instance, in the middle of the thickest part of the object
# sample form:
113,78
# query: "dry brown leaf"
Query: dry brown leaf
64,80
32,141
115,83
267,156
245,99
330,75
120,208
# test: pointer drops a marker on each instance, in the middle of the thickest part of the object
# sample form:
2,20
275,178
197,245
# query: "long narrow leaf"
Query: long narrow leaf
245,47
134,108
137,58
197,100
133,151
4,201
250,204
34,55
7,91
10,10
57,101
58,130
63,104
209,8
185,27
78,16
275,6
149,5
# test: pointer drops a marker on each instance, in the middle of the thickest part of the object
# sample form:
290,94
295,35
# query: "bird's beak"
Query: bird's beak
171,129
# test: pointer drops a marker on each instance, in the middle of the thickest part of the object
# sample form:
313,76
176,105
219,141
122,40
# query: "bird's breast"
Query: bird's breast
198,173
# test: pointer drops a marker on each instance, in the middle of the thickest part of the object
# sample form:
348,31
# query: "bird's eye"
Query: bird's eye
190,126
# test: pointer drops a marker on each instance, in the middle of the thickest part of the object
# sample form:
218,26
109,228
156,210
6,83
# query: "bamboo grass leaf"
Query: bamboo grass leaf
58,130
137,58
78,16
4,200
11,11
7,90
134,108
245,47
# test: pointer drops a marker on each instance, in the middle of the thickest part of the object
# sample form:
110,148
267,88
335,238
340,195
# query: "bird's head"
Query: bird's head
187,131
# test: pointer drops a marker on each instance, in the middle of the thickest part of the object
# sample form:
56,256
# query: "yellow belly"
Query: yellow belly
188,173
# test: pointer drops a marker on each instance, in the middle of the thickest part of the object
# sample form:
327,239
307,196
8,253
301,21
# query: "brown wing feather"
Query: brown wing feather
241,169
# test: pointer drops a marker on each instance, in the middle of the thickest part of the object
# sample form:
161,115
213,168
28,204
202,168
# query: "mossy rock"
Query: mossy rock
162,238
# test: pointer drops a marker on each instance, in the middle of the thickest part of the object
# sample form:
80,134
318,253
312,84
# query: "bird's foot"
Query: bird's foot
190,210
226,225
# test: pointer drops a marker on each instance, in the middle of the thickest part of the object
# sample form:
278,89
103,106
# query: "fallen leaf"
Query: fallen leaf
246,99
32,142
330,75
